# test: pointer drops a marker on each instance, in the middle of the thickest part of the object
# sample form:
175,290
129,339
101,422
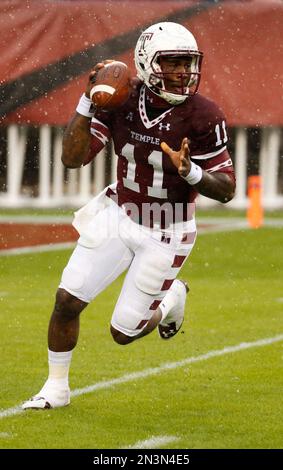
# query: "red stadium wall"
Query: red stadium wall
48,47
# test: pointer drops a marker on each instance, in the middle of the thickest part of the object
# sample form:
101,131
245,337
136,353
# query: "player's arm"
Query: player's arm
77,135
76,141
217,185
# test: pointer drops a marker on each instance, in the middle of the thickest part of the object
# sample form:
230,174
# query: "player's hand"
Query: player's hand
181,159
92,75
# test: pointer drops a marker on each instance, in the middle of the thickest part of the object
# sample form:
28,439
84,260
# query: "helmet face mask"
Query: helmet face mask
188,81
164,41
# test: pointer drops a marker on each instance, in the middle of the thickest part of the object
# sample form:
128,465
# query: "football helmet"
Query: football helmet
166,40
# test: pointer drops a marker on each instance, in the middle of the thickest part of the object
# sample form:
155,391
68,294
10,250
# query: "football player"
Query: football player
171,145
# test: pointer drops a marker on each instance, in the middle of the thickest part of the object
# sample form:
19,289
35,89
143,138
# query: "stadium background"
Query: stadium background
47,49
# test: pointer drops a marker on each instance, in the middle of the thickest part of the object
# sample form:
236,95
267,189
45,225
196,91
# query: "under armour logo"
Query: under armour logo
148,98
167,334
164,126
130,116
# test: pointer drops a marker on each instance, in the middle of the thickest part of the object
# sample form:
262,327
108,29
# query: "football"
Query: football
112,85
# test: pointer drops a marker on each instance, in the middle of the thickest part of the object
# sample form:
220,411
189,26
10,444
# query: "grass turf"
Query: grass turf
232,401
218,211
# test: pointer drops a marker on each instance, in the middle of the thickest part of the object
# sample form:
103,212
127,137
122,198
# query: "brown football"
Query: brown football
112,85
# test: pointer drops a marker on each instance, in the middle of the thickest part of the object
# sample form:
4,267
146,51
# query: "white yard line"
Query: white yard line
224,227
37,248
143,374
154,442
36,219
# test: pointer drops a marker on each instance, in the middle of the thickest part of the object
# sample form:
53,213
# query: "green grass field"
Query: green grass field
232,400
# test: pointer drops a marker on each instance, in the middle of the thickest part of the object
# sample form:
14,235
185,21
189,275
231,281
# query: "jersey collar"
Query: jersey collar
142,110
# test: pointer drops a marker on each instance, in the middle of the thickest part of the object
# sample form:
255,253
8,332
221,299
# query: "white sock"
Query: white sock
59,365
167,303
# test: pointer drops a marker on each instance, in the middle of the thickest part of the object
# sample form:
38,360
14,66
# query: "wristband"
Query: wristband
85,107
195,174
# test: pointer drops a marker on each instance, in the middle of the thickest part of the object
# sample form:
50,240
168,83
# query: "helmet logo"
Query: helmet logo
144,38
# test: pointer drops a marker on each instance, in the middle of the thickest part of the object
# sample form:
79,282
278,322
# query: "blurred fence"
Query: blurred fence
34,175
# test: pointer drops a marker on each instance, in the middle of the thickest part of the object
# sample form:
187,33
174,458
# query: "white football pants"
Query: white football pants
113,243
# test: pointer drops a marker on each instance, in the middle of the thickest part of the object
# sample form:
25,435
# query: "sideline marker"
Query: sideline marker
255,209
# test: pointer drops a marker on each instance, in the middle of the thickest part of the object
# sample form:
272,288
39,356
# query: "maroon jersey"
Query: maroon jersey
144,173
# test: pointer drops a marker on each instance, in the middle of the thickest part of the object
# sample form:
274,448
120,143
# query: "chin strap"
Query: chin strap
171,98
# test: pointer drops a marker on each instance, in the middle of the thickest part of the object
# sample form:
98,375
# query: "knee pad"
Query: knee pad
129,320
73,281
152,272
72,278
